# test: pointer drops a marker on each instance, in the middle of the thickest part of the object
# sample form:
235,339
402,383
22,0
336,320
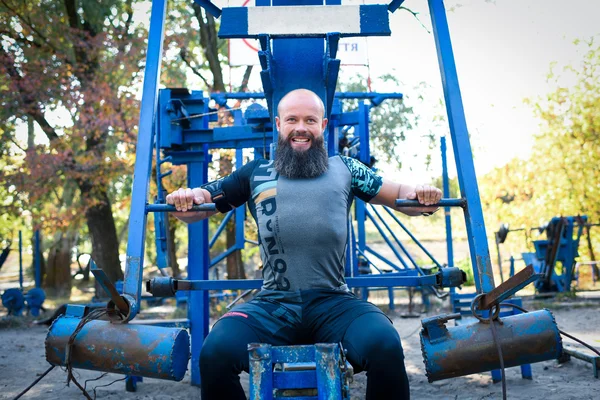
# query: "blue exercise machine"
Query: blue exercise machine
16,300
176,123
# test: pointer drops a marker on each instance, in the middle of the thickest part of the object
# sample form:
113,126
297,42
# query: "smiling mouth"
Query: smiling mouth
300,140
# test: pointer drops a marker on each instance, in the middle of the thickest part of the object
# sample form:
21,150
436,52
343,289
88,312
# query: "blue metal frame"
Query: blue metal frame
279,58
478,245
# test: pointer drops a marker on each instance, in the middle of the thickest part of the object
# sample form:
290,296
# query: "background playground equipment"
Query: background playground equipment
16,300
555,257
176,122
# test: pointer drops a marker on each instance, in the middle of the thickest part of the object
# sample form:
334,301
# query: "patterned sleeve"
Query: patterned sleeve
365,183
235,187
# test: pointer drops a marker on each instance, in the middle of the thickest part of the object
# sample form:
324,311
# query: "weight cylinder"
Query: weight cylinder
467,349
148,351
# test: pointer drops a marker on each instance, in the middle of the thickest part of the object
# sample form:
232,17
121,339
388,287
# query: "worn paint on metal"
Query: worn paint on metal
150,351
261,371
467,349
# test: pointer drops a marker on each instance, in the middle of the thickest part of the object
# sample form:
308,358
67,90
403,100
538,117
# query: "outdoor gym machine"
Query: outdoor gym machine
282,45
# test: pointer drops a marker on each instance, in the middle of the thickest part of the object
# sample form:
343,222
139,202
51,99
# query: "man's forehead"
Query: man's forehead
301,100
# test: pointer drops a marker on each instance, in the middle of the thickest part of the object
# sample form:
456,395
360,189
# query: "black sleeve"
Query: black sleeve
233,190
366,184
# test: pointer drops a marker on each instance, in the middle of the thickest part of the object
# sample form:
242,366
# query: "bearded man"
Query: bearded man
300,202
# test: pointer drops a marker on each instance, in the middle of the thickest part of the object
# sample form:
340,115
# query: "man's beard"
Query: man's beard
309,163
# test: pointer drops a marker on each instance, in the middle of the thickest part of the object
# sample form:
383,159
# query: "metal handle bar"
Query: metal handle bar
171,208
442,203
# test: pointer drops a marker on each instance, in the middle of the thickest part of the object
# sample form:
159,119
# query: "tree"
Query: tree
561,176
72,67
202,53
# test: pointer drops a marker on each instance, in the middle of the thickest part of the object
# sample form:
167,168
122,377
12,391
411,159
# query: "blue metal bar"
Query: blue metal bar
385,260
412,237
413,262
478,245
447,215
442,203
198,265
171,208
223,255
209,7
20,260
383,235
339,95
220,228
240,212
137,217
329,380
38,259
394,5
364,154
373,264
354,249
364,281
261,371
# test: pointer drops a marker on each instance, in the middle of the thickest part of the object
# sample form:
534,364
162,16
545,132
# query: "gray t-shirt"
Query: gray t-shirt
302,223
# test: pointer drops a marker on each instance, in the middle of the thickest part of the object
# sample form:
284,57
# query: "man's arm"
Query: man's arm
425,194
184,199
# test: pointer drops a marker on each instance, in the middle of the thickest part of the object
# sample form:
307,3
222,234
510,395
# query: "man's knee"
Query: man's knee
385,344
226,347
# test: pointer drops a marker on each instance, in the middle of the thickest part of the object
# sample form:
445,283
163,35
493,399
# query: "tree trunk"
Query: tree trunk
235,266
101,226
58,266
171,249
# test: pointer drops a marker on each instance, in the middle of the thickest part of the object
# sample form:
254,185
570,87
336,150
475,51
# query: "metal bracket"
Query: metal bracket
508,288
435,327
108,286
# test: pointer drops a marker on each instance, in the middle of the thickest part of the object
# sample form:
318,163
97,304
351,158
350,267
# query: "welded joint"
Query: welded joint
435,327
162,286
451,277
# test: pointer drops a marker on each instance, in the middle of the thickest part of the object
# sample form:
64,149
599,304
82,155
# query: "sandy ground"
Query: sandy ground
22,360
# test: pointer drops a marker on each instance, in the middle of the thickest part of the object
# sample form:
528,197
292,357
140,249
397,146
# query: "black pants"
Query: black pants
372,342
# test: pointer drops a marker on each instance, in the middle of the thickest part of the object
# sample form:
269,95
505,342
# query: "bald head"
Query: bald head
301,96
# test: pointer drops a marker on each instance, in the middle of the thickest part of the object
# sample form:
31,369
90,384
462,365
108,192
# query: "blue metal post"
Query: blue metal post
38,260
141,176
240,212
363,133
198,265
261,371
329,379
480,254
20,260
447,215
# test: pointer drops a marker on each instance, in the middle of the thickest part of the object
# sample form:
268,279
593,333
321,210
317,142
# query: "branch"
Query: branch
183,55
31,107
416,15
246,78
20,39
17,144
30,26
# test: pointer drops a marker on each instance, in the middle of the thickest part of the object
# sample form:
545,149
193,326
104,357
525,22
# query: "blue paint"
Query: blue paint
143,163
234,23
374,20
456,351
475,224
446,194
149,351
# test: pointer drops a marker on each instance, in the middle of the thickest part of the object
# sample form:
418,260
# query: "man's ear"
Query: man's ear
277,123
325,121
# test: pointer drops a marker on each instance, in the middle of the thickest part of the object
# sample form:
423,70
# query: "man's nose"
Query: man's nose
301,127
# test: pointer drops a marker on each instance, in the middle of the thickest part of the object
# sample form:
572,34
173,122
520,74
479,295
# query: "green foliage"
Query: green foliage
389,121
562,175
467,268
